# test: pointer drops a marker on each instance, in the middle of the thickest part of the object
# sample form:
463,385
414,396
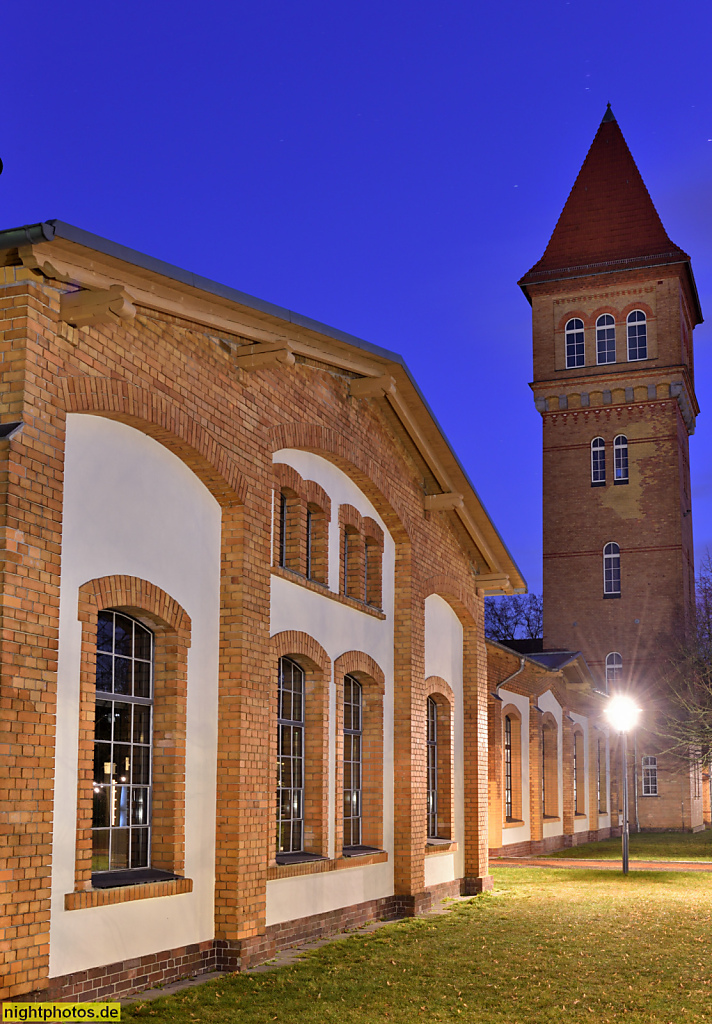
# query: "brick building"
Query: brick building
243,672
614,305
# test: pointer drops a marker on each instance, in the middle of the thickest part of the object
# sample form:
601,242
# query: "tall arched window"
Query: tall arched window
508,768
620,459
432,769
290,758
512,765
123,730
605,339
575,352
353,761
637,335
598,462
578,773
614,670
611,570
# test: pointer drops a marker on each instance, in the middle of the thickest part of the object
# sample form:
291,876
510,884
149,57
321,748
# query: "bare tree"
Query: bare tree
685,722
518,617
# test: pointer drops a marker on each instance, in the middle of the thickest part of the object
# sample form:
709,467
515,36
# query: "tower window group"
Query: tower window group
636,337
620,461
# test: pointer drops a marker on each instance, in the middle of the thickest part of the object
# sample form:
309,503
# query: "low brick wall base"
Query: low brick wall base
552,844
116,981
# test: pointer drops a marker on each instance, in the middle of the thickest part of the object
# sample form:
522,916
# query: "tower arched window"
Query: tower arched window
598,462
605,339
614,670
637,335
611,570
620,459
575,353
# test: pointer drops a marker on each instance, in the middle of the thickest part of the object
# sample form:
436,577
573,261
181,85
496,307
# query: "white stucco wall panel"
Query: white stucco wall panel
292,898
131,507
444,658
440,867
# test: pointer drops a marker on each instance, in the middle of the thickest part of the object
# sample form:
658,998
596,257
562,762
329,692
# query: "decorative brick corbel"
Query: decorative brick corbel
372,387
39,265
264,357
96,306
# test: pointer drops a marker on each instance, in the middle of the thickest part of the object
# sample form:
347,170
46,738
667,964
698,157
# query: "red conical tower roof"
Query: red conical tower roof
609,221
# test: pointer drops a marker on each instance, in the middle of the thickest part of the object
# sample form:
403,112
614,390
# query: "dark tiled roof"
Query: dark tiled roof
525,646
609,221
555,659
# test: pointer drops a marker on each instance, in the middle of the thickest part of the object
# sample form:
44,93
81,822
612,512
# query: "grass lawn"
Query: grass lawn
648,846
546,946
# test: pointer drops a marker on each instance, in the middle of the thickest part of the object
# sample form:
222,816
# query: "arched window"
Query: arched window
123,733
598,462
575,353
512,766
290,758
637,335
614,670
578,773
605,339
611,570
650,776
620,459
353,761
550,769
601,776
432,769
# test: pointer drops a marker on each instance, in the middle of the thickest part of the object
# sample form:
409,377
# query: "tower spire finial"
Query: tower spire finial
608,116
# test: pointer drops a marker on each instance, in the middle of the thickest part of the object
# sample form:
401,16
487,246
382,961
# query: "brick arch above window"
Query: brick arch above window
378,482
631,306
436,687
602,311
308,490
359,664
134,595
292,643
575,314
165,422
460,597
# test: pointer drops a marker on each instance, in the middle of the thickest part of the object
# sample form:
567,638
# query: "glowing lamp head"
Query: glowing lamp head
622,712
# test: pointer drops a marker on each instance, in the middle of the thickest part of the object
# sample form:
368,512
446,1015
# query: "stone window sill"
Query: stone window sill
321,588
435,846
314,867
82,899
580,814
514,823
551,817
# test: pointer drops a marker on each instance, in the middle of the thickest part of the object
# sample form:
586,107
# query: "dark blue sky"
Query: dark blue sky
388,168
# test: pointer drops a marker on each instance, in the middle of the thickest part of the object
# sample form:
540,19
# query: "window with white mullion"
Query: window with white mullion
598,462
650,776
121,817
611,570
353,761
290,758
620,459
605,339
432,769
614,670
575,347
637,335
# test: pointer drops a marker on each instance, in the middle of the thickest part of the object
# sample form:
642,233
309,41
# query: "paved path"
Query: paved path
610,865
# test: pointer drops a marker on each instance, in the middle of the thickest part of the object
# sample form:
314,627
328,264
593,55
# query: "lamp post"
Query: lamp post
622,713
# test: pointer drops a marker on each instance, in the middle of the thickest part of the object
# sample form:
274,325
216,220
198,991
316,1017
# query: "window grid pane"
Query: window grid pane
598,461
290,758
508,768
353,761
614,670
432,769
637,336
575,351
611,569
605,339
121,834
650,776
620,458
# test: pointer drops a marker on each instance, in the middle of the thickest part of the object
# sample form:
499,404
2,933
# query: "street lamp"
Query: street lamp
622,712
